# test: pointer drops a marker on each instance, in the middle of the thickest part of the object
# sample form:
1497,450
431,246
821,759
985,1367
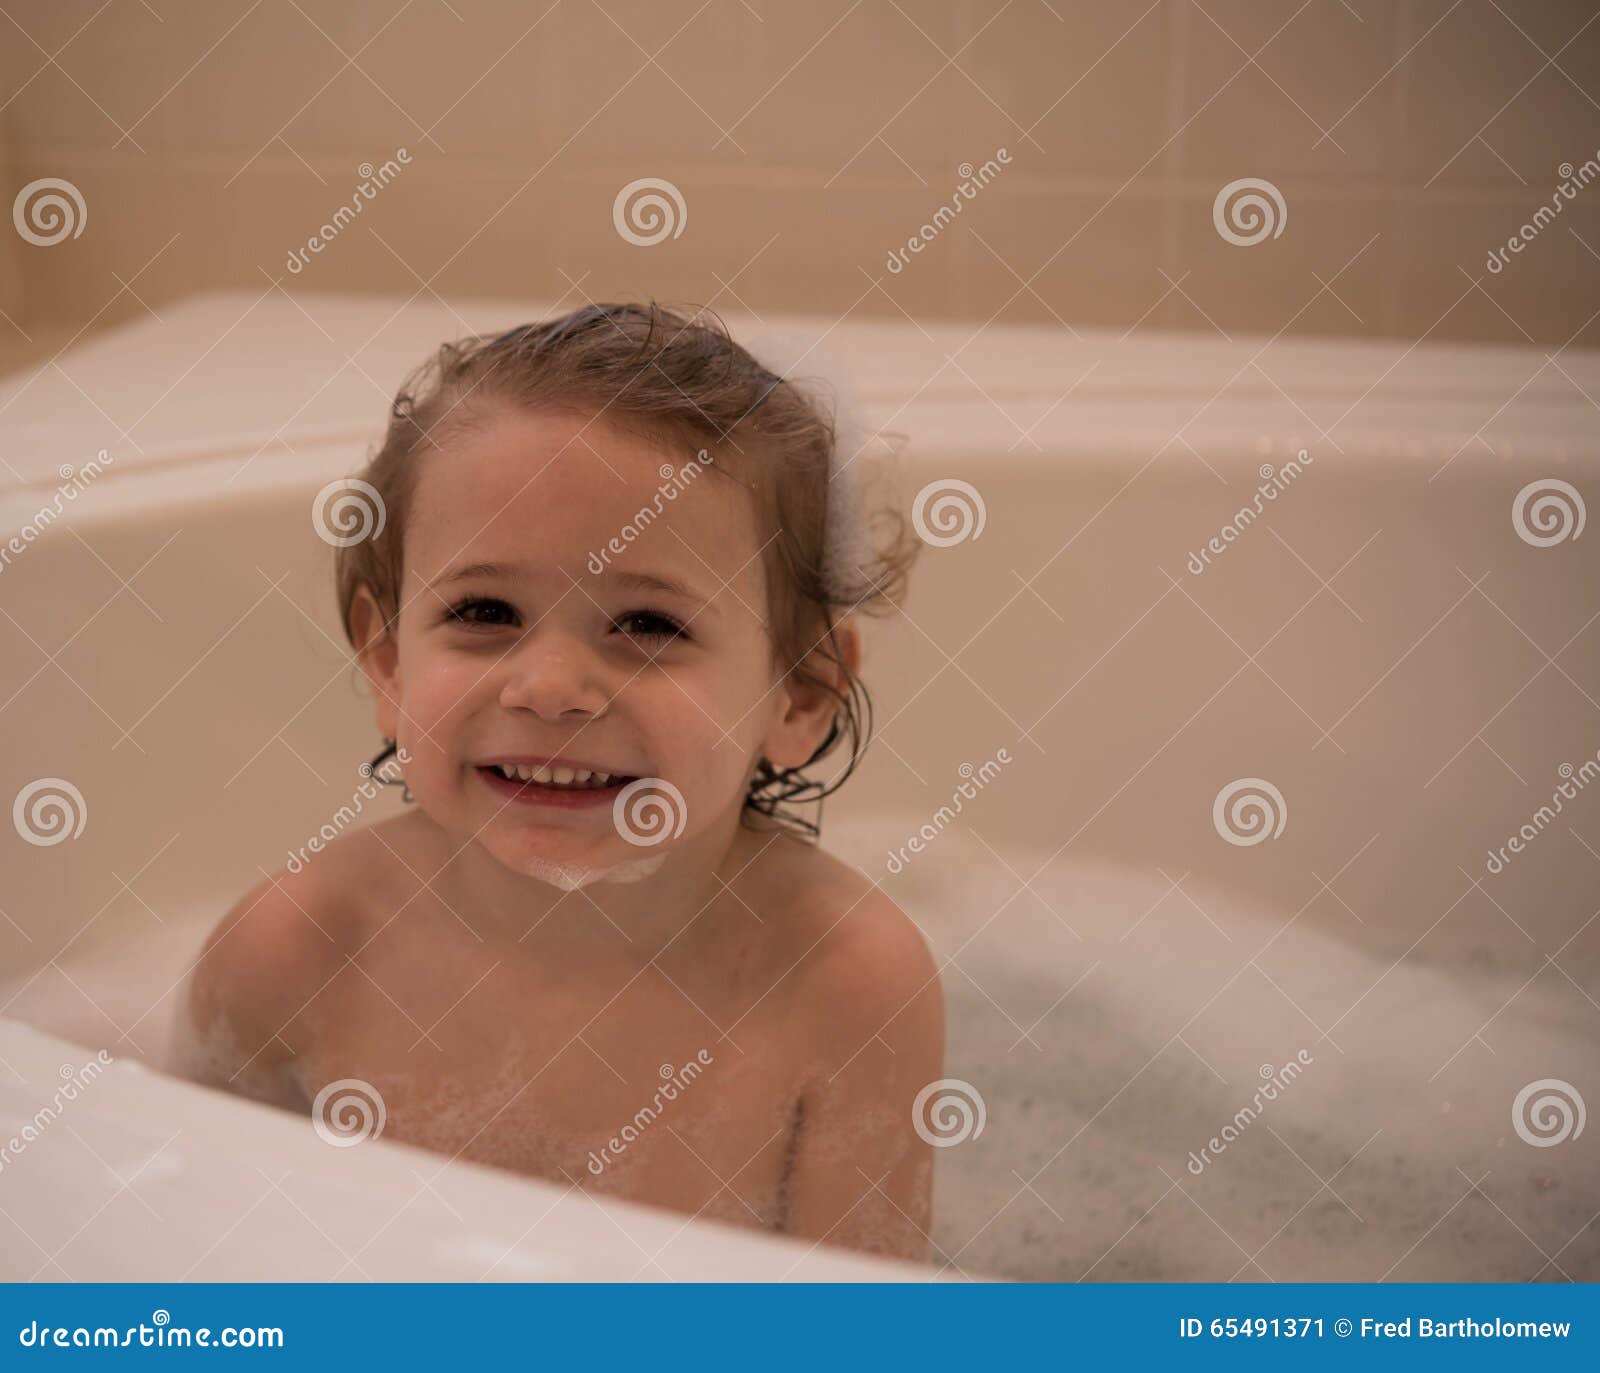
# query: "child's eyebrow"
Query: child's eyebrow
471,570
639,581
649,581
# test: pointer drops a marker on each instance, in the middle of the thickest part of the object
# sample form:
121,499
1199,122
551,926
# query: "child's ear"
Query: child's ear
379,656
807,712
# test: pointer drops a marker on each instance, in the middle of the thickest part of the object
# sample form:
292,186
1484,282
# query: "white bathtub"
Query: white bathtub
1117,973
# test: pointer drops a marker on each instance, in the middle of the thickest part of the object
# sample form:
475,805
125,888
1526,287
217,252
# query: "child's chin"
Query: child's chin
530,853
568,871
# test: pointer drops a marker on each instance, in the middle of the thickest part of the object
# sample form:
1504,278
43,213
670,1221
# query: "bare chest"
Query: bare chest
627,1085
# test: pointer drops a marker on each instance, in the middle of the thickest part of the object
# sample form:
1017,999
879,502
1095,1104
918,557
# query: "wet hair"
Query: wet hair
680,381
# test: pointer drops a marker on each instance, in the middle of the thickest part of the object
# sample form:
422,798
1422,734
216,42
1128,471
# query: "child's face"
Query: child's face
510,645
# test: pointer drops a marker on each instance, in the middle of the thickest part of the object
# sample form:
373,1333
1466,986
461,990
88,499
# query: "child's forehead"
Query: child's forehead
503,437
570,485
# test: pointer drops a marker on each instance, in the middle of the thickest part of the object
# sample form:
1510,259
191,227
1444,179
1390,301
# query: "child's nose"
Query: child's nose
553,675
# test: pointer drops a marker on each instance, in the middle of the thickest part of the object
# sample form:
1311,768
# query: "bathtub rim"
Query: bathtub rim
119,1102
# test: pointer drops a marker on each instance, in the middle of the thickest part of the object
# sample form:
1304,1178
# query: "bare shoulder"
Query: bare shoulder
266,960
862,965
864,1031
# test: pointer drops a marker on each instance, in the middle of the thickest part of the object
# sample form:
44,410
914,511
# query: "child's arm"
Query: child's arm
861,1176
255,974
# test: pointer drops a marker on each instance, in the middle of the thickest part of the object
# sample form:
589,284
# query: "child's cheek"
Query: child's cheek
435,682
438,694
716,763
448,689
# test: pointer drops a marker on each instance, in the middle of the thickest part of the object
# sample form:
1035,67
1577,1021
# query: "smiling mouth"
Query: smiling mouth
555,781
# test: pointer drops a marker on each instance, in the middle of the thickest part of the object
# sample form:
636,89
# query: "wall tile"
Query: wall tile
850,127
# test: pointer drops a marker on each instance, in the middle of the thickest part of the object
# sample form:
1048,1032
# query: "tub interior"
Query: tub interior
1405,670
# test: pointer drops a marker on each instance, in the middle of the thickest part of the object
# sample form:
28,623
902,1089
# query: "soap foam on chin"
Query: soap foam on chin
571,877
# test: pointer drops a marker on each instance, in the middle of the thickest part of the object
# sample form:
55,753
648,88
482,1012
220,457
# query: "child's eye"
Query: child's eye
647,624
482,612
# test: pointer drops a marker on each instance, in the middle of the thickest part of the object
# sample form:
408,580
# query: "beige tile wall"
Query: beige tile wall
209,137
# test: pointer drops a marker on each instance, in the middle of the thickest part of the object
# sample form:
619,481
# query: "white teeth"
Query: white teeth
555,777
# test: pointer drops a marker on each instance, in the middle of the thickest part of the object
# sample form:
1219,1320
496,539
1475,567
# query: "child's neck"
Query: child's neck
631,912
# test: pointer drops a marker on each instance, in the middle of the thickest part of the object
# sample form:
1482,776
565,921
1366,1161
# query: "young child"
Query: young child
605,625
